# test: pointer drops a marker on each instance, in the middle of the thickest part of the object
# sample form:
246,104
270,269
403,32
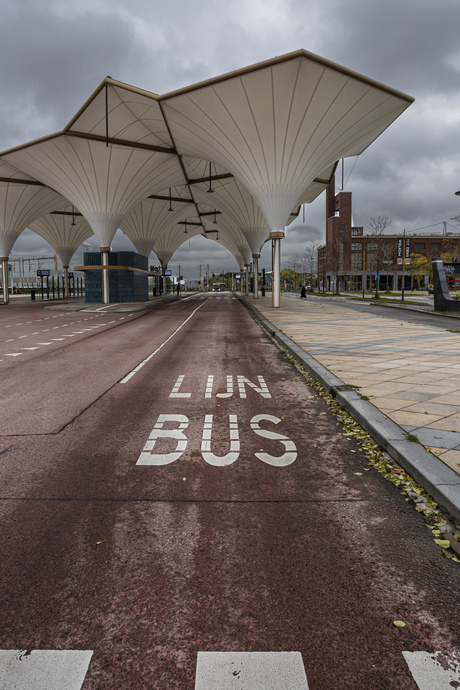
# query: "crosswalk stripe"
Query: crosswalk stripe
434,671
43,669
254,670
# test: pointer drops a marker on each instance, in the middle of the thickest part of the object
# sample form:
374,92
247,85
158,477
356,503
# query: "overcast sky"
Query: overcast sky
54,54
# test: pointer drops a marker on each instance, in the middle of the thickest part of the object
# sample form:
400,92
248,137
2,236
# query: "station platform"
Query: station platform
399,380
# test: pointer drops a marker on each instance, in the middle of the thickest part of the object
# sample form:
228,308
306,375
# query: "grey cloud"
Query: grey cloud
53,55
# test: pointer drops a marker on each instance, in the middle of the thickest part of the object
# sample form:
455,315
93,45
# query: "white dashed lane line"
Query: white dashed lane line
91,327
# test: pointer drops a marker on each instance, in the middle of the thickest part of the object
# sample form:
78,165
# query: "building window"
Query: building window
357,261
342,230
357,232
435,246
371,261
419,246
341,246
372,245
356,246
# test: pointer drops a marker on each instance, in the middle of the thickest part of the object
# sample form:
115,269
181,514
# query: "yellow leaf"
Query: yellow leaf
98,542
358,473
437,532
399,624
184,479
443,543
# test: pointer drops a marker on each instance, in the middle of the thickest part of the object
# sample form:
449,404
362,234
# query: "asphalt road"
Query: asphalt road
172,490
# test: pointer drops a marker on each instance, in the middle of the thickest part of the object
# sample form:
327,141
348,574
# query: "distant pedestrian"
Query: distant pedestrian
303,292
178,289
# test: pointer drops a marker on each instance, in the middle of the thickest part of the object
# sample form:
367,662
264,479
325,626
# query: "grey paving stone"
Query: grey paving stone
438,438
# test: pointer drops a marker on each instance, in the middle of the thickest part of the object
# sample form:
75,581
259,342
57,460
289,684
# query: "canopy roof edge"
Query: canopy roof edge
285,58
96,92
31,143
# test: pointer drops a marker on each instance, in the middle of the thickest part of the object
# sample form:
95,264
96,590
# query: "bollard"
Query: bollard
32,294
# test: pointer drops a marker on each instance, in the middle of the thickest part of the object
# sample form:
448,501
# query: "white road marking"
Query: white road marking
149,458
434,671
224,460
9,325
209,385
29,348
175,391
229,392
57,338
10,340
45,343
254,670
285,459
22,336
43,669
147,359
107,306
13,354
263,390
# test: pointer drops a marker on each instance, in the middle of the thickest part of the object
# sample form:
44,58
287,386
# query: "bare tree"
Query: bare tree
375,229
309,261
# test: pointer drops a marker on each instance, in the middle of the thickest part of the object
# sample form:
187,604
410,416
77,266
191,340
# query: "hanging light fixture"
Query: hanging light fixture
170,204
210,190
73,215
215,219
185,231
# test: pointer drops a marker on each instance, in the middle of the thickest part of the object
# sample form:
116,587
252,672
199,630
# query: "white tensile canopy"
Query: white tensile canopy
265,138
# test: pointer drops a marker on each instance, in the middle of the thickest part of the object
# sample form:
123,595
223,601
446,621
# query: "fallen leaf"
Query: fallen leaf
399,624
98,542
443,543
184,479
358,473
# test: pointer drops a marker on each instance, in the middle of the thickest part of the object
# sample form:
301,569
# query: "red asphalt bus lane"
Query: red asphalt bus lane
59,373
208,504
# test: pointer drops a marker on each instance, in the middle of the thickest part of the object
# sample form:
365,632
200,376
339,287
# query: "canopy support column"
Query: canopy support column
5,278
276,237
66,281
105,275
163,278
255,280
246,286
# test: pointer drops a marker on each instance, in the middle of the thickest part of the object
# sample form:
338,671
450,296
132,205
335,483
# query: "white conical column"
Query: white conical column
105,275
246,287
255,283
163,269
276,237
5,278
66,280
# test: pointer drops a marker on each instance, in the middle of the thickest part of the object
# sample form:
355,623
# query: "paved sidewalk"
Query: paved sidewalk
409,372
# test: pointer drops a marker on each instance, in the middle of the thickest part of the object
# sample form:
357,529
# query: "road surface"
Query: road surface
179,509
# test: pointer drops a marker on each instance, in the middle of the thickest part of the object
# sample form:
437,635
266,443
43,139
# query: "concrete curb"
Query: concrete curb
439,480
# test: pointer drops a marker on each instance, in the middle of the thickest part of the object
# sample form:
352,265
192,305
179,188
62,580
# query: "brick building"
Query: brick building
349,253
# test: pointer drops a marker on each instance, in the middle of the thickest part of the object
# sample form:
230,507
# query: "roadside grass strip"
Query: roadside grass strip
445,531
